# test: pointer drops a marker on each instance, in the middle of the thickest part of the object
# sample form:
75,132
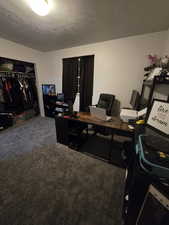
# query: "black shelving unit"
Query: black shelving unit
137,182
152,84
49,103
69,132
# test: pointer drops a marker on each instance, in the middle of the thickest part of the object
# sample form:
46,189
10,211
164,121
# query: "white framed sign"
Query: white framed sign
159,116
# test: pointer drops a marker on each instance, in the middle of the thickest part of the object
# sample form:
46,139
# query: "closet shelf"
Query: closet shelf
7,74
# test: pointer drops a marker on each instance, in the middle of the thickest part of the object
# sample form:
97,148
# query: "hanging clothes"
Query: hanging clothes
8,88
28,92
18,103
23,89
18,94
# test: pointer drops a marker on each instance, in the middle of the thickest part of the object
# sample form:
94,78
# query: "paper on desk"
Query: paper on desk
142,112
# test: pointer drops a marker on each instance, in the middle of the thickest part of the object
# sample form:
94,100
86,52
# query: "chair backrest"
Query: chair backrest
106,101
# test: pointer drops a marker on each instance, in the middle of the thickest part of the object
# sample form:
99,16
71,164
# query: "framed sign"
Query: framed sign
159,116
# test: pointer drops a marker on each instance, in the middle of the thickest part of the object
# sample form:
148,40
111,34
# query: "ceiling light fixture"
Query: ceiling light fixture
40,7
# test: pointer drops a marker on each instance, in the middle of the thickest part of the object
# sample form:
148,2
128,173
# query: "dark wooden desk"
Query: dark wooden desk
116,126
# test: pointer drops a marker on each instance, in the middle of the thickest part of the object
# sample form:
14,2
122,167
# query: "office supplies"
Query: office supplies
60,97
129,114
131,127
139,122
99,113
61,108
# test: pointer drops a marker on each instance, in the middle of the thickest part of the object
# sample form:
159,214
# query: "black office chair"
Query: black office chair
106,101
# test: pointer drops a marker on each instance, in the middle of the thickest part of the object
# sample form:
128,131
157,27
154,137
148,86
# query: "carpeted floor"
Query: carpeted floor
29,135
48,184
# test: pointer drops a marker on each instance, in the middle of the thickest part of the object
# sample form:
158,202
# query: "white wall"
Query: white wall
162,91
118,64
166,47
16,51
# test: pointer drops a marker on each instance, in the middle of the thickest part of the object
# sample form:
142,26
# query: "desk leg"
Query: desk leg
110,150
62,130
87,129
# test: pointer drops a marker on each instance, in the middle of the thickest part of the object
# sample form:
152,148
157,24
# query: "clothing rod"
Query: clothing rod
15,75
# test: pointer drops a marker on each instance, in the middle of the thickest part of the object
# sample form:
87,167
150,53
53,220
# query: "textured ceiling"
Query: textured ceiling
77,22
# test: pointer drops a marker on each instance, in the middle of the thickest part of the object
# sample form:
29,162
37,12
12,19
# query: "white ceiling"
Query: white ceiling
77,22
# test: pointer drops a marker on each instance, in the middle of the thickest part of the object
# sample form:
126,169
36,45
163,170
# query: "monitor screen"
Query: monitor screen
134,101
155,210
49,89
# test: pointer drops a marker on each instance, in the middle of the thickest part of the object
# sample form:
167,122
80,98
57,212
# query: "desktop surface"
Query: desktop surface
115,123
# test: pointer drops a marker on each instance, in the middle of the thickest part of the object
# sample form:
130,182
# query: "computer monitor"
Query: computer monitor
135,98
49,89
144,99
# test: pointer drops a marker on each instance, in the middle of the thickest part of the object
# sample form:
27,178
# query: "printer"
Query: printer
130,114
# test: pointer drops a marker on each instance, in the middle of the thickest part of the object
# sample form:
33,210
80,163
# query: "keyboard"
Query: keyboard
156,143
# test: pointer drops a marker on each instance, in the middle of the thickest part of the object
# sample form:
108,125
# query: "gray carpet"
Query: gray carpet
53,185
29,135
